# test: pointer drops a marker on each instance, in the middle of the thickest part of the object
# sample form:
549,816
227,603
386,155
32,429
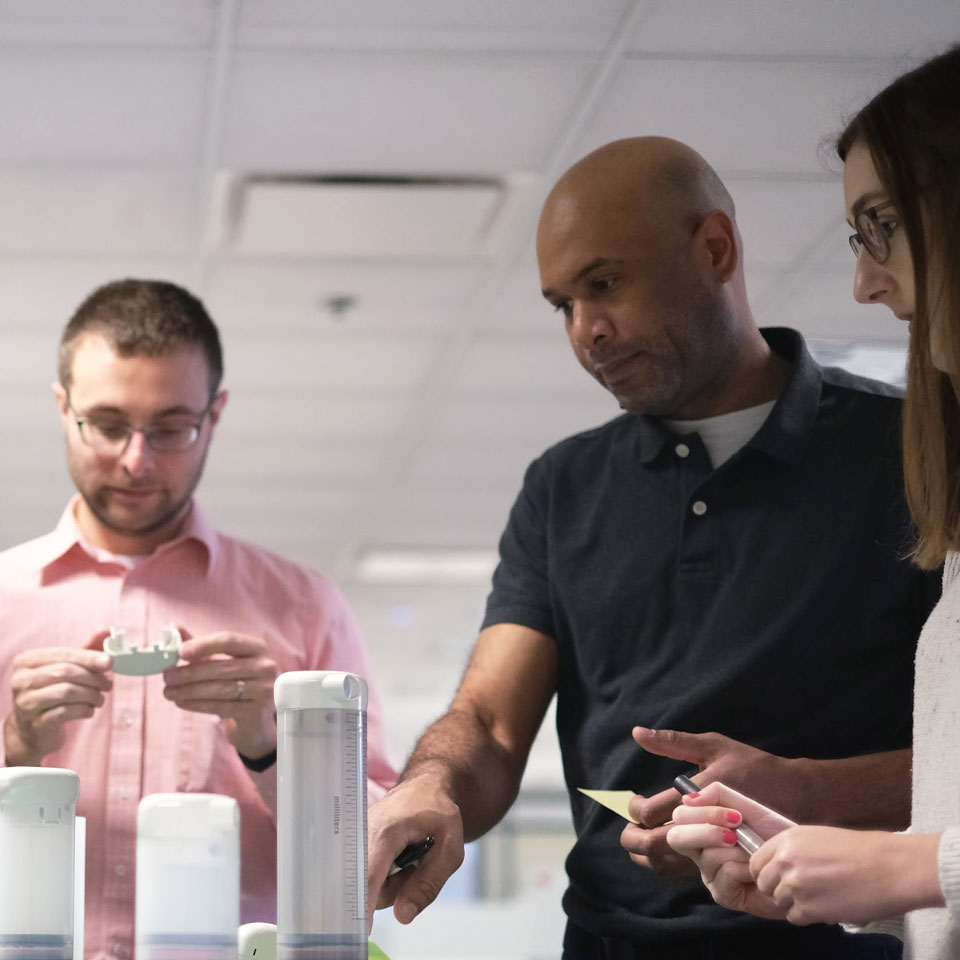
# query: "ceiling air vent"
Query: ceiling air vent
369,216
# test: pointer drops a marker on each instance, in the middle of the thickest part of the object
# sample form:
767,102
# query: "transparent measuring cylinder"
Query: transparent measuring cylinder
321,816
188,877
38,808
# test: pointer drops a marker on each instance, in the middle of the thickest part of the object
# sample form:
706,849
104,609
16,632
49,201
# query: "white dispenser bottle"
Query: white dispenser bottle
188,877
321,816
38,807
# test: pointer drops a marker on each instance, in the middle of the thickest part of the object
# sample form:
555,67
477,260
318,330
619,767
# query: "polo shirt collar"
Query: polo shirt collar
785,433
66,542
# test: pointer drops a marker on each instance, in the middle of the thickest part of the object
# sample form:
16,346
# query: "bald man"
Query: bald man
724,559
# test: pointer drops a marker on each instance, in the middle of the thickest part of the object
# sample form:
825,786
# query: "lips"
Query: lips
615,369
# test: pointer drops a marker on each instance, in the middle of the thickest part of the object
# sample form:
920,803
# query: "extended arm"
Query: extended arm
465,771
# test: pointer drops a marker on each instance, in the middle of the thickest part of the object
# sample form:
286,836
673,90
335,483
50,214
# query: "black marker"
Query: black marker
410,856
746,838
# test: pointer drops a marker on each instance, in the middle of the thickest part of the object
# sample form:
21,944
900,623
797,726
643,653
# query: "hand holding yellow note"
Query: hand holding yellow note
616,800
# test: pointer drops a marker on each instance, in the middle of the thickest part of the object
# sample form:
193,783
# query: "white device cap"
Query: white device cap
258,941
29,786
324,689
186,814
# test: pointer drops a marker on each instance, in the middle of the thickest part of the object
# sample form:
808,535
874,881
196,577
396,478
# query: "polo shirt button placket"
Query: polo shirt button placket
682,451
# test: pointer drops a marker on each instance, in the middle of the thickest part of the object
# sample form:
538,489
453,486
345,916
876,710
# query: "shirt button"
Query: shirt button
118,948
699,508
682,450
126,718
120,869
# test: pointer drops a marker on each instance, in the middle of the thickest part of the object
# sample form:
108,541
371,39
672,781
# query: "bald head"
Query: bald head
652,180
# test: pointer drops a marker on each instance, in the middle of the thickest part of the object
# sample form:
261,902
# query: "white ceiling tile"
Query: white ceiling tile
38,295
387,297
820,304
110,107
341,113
429,24
313,413
814,28
326,362
111,211
535,365
742,116
185,23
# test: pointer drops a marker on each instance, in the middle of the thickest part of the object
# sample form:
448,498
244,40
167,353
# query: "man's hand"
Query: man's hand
51,687
413,810
230,675
719,758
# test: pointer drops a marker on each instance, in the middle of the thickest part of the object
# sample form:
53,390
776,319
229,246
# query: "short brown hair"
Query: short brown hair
912,130
143,318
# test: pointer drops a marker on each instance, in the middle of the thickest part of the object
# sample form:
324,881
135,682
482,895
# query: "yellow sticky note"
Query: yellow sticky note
615,800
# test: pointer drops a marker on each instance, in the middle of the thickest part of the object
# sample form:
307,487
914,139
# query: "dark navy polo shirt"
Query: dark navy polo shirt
767,600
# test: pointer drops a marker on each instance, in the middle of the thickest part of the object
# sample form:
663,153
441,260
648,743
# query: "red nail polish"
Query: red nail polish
733,816
729,837
693,796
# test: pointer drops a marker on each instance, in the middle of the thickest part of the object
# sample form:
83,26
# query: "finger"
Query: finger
91,660
698,748
57,675
34,702
231,685
656,810
692,838
763,820
720,816
43,725
224,644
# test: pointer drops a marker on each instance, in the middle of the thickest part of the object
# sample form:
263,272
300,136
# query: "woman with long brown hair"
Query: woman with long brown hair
901,156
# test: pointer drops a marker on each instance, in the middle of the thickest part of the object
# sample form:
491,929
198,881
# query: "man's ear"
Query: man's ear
721,241
62,400
216,408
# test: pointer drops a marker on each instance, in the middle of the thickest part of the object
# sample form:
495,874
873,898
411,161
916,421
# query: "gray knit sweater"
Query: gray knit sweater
935,934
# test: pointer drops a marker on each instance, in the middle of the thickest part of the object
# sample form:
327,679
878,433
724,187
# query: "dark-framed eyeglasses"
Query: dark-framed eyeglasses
873,232
111,435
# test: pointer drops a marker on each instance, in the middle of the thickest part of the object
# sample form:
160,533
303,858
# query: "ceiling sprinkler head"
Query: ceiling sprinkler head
339,305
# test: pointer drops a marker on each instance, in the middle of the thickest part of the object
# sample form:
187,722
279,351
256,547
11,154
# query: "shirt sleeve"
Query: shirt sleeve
521,582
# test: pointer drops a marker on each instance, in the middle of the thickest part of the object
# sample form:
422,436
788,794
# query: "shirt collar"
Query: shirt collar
66,544
785,433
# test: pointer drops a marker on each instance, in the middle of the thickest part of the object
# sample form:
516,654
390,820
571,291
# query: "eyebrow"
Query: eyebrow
179,410
865,201
584,271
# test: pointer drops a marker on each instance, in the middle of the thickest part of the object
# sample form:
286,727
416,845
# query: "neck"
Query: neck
756,375
97,534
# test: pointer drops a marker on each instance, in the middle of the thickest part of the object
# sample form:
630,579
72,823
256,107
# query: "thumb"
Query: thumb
698,748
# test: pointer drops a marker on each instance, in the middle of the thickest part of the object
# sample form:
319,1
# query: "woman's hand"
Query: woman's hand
703,830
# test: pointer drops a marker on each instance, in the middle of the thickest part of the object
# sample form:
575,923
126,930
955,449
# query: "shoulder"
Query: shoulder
30,556
589,443
856,388
261,570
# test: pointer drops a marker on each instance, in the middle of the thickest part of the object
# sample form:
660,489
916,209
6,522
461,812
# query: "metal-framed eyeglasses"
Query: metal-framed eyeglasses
111,436
873,232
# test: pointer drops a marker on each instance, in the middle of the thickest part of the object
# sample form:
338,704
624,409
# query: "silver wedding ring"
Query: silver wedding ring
241,686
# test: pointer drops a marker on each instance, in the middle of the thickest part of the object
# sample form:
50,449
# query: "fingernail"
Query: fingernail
733,816
406,912
729,837
691,796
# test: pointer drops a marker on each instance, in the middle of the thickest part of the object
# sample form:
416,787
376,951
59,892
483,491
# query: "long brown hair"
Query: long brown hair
912,129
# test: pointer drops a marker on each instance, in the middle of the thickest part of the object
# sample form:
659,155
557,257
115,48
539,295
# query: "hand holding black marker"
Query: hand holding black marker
746,838
410,856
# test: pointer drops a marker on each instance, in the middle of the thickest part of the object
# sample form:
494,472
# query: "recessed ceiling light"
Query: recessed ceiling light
426,566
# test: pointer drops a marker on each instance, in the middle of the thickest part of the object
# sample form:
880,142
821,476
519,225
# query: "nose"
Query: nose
589,324
138,458
871,283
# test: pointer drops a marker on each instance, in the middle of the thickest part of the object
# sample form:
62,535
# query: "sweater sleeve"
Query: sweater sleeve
948,863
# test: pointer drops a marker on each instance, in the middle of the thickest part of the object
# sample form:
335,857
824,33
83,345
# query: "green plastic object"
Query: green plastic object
374,952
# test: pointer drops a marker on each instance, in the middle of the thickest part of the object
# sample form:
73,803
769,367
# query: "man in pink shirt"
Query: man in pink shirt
139,396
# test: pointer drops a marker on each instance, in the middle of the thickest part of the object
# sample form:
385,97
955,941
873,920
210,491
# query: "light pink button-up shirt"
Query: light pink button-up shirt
54,591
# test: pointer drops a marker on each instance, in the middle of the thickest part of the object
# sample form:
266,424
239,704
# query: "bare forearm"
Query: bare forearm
16,752
477,772
868,792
